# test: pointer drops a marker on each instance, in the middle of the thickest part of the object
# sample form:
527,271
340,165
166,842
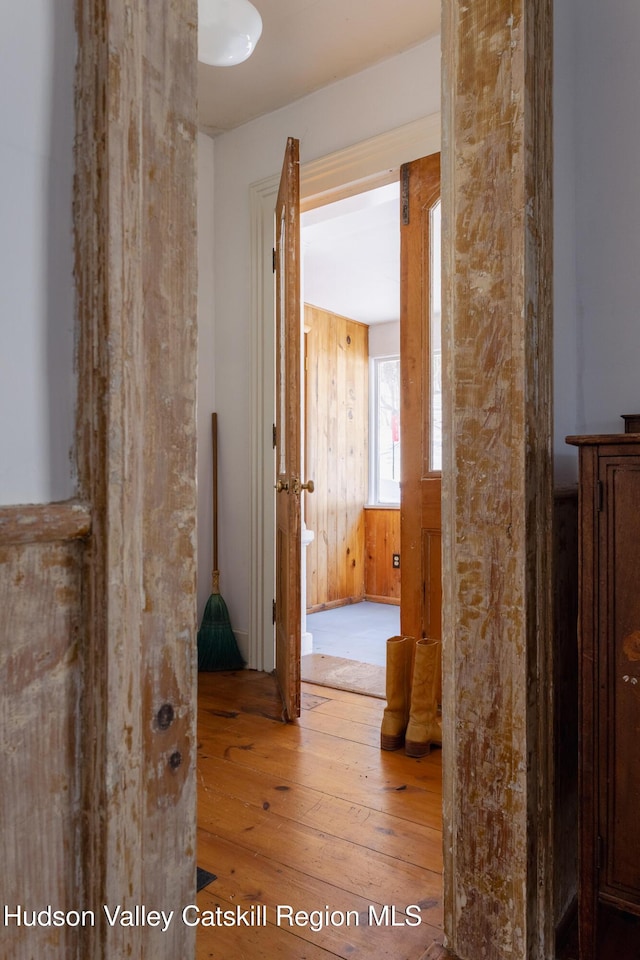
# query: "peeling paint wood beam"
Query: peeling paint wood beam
497,486
44,522
136,280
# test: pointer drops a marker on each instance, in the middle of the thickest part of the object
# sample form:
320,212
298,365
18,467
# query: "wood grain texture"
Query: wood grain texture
288,433
419,527
40,803
382,540
45,522
497,487
609,705
135,221
291,814
337,415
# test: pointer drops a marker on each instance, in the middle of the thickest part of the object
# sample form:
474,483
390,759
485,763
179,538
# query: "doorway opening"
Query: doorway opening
348,171
351,437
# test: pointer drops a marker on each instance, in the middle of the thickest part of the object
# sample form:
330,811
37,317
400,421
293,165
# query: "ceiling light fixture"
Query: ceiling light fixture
228,31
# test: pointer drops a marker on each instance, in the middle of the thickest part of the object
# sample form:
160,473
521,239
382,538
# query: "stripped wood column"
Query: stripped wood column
497,488
135,221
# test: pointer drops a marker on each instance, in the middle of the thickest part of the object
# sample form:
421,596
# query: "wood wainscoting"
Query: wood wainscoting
382,540
336,456
41,575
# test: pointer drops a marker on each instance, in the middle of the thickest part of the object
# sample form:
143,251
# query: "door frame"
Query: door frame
136,309
342,173
497,254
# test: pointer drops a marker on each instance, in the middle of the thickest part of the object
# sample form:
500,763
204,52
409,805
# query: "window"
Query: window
385,431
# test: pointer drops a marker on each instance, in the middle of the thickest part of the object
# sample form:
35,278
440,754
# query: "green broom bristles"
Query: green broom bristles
217,646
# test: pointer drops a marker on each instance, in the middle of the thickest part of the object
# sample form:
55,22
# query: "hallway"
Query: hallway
313,815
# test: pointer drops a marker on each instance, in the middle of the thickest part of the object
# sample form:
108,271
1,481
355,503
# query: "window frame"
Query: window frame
374,458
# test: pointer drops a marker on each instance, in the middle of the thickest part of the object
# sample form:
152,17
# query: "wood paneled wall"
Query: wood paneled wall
41,562
336,456
382,540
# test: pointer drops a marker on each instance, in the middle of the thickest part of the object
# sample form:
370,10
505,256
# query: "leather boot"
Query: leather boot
423,729
398,679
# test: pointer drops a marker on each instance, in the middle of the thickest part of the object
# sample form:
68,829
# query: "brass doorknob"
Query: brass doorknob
282,486
298,487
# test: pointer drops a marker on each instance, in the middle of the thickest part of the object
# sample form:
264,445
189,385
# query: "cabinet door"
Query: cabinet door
619,681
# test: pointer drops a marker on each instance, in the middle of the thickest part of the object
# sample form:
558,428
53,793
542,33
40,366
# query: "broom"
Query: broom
217,647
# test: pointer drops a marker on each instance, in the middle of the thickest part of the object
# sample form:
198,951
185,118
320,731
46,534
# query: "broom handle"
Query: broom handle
214,439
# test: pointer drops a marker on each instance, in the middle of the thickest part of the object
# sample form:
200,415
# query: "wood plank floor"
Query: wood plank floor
309,819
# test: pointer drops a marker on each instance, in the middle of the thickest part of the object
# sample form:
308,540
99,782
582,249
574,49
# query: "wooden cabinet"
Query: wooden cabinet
609,680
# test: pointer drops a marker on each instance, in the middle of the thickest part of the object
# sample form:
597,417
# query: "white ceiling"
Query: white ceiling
305,45
351,256
350,248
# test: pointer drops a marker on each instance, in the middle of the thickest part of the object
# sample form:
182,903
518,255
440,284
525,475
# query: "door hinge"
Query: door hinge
600,496
404,173
273,611
275,436
273,259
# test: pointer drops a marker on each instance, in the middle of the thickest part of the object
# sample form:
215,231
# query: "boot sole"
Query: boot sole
389,742
413,748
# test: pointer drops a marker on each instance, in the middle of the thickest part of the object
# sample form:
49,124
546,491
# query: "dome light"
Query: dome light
228,31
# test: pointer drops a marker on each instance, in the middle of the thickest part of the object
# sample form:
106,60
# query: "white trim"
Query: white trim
260,645
367,160
353,166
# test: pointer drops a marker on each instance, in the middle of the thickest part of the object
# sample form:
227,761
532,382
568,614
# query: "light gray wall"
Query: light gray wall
37,379
564,279
597,222
607,155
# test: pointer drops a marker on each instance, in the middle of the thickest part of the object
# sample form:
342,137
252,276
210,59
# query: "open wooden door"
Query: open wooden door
421,400
288,544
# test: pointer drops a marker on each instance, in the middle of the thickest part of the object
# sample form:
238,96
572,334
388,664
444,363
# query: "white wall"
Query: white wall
384,339
37,380
206,372
386,96
597,223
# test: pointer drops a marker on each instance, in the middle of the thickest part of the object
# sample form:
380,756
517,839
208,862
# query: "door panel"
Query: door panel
288,454
619,695
420,515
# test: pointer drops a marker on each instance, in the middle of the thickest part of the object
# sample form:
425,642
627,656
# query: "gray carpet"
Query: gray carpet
356,631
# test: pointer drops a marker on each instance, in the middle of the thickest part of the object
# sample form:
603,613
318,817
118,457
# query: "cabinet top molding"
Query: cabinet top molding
603,438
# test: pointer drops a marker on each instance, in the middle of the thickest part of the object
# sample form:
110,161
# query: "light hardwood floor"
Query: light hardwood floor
313,816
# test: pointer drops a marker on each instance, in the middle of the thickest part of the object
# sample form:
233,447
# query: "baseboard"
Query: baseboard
242,639
332,604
